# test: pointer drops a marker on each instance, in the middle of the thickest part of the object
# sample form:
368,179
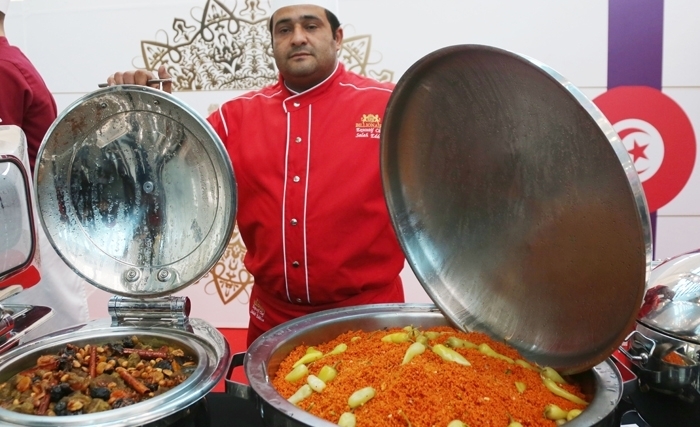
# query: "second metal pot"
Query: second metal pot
664,348
201,340
602,383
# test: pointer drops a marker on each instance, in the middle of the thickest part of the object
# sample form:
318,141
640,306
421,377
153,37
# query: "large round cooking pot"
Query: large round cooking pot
664,348
602,384
201,341
136,193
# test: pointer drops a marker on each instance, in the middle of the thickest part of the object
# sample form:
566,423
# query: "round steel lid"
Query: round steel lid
135,191
18,240
672,299
516,204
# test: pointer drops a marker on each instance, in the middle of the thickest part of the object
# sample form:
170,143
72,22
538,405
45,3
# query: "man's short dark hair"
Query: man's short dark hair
333,20
330,16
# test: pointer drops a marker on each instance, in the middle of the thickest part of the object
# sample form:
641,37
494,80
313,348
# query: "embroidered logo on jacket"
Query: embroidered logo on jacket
258,311
370,126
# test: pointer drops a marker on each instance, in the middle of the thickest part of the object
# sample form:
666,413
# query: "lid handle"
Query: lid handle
149,311
7,322
643,356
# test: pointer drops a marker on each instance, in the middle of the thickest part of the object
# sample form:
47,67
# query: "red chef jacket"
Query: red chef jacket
25,100
312,212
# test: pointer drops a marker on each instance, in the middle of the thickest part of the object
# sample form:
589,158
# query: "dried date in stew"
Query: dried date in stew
94,378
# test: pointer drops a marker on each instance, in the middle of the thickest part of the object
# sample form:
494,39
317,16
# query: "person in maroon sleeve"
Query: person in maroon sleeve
305,152
25,101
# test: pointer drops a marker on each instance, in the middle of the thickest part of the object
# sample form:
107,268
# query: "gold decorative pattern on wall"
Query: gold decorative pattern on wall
231,49
222,48
229,279
355,54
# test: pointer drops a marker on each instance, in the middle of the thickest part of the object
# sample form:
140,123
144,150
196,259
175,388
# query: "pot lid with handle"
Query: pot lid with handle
18,239
672,299
136,191
516,204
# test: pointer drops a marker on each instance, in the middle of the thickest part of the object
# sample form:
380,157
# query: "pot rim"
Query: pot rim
655,333
647,363
210,350
263,355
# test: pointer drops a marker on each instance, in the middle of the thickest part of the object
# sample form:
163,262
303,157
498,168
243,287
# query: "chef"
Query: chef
305,152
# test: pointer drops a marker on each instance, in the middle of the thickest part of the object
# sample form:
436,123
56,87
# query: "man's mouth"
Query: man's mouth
299,54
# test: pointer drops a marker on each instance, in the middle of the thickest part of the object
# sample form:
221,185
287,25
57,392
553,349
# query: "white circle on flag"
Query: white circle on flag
644,144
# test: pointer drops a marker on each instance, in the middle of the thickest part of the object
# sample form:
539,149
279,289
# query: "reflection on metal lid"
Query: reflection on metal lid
17,233
672,300
136,191
516,204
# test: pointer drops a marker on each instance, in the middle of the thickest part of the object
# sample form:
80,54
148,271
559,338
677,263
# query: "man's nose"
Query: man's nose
299,35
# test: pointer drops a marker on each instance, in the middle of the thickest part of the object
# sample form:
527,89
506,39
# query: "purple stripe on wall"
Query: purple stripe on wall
635,43
635,49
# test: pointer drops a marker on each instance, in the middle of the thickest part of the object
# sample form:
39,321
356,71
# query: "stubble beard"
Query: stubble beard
304,66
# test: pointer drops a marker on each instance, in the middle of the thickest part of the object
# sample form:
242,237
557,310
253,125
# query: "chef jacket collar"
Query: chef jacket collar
294,93
297,100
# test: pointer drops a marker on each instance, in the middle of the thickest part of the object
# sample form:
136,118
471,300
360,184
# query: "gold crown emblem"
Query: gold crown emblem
370,118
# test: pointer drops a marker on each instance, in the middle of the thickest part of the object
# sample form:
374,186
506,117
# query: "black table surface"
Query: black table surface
225,410
228,410
216,410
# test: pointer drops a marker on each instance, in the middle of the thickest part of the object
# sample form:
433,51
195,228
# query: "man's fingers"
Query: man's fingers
118,78
141,78
128,77
163,74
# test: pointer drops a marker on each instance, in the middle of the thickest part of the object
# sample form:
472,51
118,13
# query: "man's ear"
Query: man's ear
338,37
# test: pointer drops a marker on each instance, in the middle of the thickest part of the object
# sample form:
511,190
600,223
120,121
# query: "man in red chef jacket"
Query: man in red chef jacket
305,152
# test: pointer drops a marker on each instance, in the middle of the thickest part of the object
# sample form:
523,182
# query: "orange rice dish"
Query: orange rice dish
433,388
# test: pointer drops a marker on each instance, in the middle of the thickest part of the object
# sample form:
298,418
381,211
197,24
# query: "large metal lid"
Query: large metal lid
135,191
18,239
516,204
672,299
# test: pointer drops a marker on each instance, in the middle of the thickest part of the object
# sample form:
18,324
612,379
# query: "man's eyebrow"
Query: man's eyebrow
301,18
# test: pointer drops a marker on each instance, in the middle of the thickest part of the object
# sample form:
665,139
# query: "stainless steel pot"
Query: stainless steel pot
137,195
199,339
664,348
602,383
668,326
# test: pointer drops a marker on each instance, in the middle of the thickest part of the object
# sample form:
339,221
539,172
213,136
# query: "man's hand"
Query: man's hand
141,78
